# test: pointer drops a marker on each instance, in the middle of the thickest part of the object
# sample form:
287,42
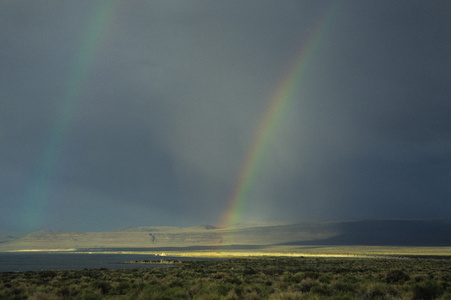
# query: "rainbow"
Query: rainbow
39,187
284,93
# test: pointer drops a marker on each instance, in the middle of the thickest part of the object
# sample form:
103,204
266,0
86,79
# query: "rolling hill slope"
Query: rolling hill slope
358,232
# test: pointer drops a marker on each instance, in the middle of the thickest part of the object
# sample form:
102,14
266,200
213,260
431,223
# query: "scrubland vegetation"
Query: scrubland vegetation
244,278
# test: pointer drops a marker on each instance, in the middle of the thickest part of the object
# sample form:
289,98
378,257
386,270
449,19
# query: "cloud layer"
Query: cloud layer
172,94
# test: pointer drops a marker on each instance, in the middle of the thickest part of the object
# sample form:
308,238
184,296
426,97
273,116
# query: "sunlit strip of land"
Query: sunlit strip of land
322,251
280,251
40,250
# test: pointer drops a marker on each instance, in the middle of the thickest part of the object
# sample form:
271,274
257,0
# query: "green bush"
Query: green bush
324,279
427,290
311,274
249,271
375,291
233,280
447,296
395,276
306,285
223,289
90,296
321,289
272,270
64,292
104,286
340,297
122,288
344,287
47,275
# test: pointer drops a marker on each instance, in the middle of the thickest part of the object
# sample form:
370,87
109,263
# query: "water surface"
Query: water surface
21,262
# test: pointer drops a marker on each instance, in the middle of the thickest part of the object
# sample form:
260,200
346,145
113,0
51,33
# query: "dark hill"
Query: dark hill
388,233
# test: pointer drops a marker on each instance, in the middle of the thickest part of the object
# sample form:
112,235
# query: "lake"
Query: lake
21,262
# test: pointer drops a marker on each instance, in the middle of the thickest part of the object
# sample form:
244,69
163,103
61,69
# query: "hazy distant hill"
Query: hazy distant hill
360,232
8,236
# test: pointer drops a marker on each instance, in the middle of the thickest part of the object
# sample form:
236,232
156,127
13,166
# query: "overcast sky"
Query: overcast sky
140,113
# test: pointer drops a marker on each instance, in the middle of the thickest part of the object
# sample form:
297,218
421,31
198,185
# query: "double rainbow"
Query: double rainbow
39,188
278,103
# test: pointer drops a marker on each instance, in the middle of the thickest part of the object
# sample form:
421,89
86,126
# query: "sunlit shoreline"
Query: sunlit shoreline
321,252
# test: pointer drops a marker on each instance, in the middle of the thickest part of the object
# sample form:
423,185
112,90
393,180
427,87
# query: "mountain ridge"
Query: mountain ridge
372,232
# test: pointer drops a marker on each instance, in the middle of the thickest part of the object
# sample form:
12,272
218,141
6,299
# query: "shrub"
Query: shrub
375,291
344,286
324,279
306,285
321,289
176,293
122,288
419,278
272,270
340,297
64,291
447,296
249,271
234,280
286,296
223,289
104,286
427,290
42,296
311,274
395,276
176,282
298,277
90,296
47,275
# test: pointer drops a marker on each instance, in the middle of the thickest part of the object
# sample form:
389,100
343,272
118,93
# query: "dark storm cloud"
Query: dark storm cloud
174,93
